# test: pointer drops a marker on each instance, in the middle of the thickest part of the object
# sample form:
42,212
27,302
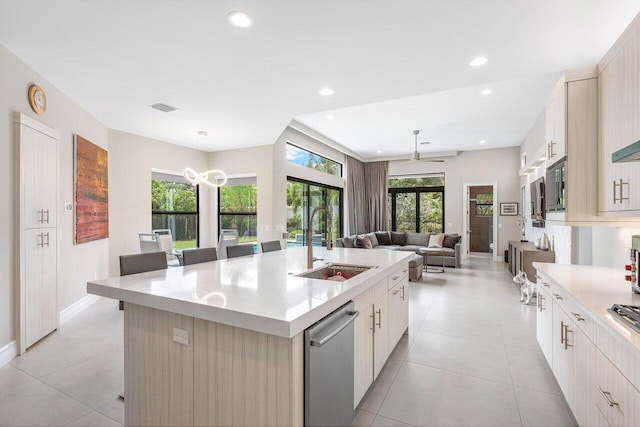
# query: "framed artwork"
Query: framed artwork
91,181
509,209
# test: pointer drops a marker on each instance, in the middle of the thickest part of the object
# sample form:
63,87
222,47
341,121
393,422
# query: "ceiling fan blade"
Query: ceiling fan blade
434,161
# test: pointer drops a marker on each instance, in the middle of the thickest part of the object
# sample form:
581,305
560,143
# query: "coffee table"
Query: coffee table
426,252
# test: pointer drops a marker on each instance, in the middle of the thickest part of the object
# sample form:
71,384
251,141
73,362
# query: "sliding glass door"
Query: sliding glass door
302,198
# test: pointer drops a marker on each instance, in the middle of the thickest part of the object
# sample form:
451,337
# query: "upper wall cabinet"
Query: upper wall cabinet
555,114
619,88
572,131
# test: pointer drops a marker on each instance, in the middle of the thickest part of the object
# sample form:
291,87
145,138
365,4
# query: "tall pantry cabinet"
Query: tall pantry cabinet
37,172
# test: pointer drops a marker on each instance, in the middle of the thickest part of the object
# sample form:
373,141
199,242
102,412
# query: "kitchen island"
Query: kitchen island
221,343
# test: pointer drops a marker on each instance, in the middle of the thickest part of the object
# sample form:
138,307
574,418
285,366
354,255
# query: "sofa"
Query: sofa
411,242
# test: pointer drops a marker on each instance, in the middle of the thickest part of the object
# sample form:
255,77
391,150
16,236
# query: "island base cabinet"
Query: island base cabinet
223,376
380,333
398,311
544,323
617,399
363,348
158,373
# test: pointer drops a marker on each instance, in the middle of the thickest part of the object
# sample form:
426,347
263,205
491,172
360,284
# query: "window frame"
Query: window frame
315,154
393,192
196,213
308,204
243,214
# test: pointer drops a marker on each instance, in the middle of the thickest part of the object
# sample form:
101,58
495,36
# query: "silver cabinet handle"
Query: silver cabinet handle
47,239
402,296
41,215
562,338
628,190
540,301
379,324
395,277
47,213
566,337
577,316
558,296
40,241
396,291
552,153
607,396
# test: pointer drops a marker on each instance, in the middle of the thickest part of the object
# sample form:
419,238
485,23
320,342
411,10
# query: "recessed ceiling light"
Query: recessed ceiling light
480,60
203,133
329,117
487,92
240,19
379,151
326,91
483,141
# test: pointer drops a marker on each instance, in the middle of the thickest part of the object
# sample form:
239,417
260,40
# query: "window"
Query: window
416,204
302,198
302,157
174,206
238,209
484,204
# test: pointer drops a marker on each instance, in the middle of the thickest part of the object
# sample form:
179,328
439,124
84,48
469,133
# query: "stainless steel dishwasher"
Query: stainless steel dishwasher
328,369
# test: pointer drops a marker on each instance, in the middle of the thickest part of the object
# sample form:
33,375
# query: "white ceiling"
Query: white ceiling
115,58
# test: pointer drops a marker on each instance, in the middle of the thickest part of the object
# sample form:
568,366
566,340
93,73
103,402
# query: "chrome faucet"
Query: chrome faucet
310,257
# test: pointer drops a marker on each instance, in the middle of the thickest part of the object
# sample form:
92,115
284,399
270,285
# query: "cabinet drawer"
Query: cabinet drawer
616,398
572,309
398,275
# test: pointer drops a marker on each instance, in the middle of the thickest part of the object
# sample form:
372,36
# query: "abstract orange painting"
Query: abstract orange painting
92,191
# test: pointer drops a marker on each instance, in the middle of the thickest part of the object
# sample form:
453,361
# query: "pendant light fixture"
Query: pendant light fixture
219,178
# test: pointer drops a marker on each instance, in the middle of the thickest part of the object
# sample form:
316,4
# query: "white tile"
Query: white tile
379,389
462,325
529,369
114,409
13,377
37,404
94,419
424,396
381,421
461,355
93,382
363,419
543,409
519,335
402,348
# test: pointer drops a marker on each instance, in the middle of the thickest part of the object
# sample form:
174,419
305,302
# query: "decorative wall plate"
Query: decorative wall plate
37,99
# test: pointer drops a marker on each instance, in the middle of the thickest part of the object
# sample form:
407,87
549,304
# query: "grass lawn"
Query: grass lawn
184,244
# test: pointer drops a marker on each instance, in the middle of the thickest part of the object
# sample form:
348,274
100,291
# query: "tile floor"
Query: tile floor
471,358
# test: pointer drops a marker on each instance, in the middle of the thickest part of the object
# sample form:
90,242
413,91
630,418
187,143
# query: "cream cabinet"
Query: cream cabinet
38,167
619,90
380,333
617,400
398,311
544,321
384,318
555,115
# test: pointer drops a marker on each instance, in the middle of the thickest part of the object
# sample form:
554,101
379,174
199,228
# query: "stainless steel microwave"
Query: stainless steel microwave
555,186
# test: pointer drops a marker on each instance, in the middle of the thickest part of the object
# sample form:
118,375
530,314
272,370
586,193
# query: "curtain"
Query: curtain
366,196
357,208
375,178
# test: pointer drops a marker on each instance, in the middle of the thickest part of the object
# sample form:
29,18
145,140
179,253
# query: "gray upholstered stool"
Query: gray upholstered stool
415,268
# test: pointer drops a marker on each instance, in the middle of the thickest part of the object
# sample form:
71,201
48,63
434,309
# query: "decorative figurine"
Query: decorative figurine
527,288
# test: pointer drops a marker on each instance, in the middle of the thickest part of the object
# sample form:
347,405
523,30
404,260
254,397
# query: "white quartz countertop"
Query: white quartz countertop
596,289
256,292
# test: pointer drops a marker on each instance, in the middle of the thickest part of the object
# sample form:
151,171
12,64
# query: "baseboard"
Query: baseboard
8,352
75,308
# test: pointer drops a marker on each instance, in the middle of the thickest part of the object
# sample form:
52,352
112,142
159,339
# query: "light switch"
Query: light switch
68,207
181,336
449,224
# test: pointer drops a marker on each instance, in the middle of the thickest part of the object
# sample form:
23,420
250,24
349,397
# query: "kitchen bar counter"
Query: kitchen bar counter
596,289
259,292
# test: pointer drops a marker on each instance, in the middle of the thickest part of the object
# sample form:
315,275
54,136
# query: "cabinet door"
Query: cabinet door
544,322
562,357
40,283
48,167
559,109
398,311
616,398
30,176
582,377
363,348
380,333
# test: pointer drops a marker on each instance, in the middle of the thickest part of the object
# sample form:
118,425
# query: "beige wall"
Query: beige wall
131,160
77,263
473,167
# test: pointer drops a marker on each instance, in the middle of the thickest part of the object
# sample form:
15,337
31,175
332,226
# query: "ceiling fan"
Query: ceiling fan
416,155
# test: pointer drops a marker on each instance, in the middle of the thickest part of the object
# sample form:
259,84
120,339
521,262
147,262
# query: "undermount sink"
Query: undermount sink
333,270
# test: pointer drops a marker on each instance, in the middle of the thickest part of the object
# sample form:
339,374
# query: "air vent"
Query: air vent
165,108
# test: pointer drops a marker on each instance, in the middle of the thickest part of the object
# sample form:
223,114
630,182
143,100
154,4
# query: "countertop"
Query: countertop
596,289
256,292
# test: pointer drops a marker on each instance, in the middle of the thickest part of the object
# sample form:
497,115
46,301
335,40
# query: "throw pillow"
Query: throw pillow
363,242
398,238
384,238
373,238
348,242
451,240
435,240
